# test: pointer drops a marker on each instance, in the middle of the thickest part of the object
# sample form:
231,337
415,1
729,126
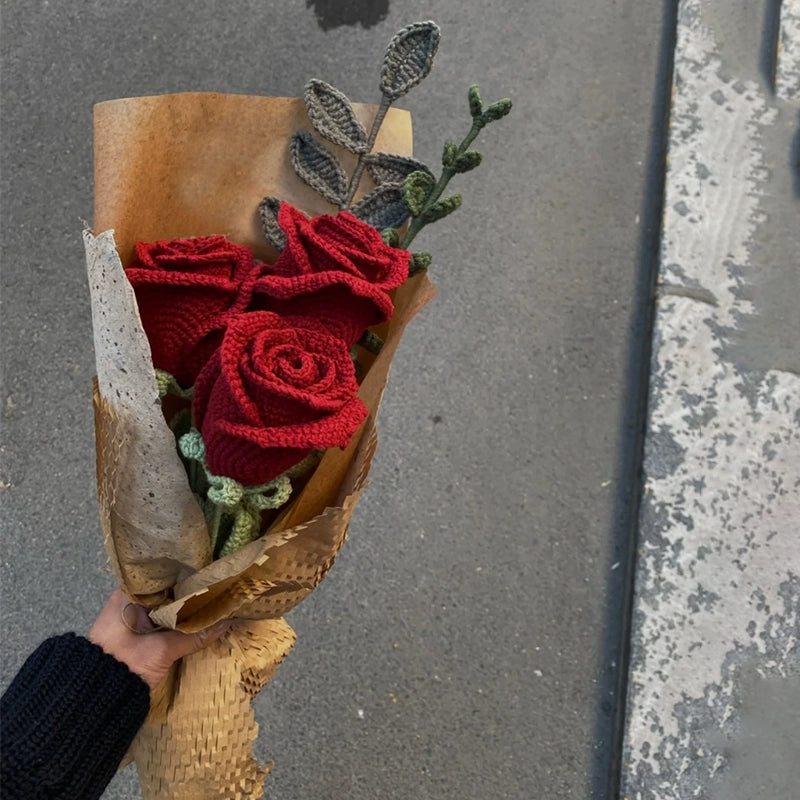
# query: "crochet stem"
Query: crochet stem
386,102
193,482
214,527
417,223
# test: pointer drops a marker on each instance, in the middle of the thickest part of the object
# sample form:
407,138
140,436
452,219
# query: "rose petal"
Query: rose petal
186,290
276,390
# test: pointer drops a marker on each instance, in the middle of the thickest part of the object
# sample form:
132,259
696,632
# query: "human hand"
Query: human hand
151,653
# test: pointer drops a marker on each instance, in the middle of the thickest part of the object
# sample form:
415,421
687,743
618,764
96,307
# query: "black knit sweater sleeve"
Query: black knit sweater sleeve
67,719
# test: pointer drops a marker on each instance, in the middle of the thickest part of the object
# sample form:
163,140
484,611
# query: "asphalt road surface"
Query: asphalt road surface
467,642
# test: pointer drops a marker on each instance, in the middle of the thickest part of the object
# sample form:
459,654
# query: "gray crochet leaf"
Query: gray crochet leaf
383,207
318,167
389,168
332,115
409,58
268,210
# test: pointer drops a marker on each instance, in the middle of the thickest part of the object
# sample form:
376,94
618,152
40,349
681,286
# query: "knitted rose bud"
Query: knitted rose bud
276,390
186,290
336,269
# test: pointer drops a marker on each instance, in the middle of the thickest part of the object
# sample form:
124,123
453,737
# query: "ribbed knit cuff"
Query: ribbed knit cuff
67,719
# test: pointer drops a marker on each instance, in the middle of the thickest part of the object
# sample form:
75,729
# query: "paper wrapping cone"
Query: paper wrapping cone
193,165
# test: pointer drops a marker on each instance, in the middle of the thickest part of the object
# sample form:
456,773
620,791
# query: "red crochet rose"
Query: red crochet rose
335,269
186,290
277,389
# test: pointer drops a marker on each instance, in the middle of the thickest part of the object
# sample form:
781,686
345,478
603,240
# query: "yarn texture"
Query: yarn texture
266,347
336,270
187,290
68,717
332,114
277,389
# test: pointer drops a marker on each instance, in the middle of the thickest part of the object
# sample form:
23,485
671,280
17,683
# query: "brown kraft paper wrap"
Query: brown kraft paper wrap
178,166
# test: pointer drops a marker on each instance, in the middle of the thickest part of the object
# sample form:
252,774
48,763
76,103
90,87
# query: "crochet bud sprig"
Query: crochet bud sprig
422,194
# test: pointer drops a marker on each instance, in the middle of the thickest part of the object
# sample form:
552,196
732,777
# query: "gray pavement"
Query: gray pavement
467,642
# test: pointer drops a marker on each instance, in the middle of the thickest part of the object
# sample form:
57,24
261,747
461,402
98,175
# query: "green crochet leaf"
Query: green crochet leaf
475,105
318,167
467,161
332,115
409,58
390,168
383,207
268,210
416,190
442,208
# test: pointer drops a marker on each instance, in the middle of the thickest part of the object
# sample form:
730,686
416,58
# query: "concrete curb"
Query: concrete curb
714,683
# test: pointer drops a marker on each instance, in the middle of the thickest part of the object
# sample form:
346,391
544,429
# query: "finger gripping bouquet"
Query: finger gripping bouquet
248,293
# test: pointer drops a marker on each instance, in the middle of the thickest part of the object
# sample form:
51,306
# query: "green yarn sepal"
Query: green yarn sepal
371,342
419,263
168,385
233,510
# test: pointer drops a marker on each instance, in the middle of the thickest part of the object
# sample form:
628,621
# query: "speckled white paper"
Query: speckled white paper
156,523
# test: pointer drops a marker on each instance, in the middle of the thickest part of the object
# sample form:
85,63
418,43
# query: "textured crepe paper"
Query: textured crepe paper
191,165
184,753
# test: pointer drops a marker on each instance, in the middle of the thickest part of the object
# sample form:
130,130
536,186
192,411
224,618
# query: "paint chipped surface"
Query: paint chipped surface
718,570
787,74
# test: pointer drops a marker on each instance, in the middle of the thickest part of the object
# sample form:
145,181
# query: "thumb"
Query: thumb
184,644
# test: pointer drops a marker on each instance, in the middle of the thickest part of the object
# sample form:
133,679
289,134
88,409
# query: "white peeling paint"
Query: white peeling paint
718,570
787,74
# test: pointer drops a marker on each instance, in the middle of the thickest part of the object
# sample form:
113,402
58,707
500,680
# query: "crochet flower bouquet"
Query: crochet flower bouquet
246,308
